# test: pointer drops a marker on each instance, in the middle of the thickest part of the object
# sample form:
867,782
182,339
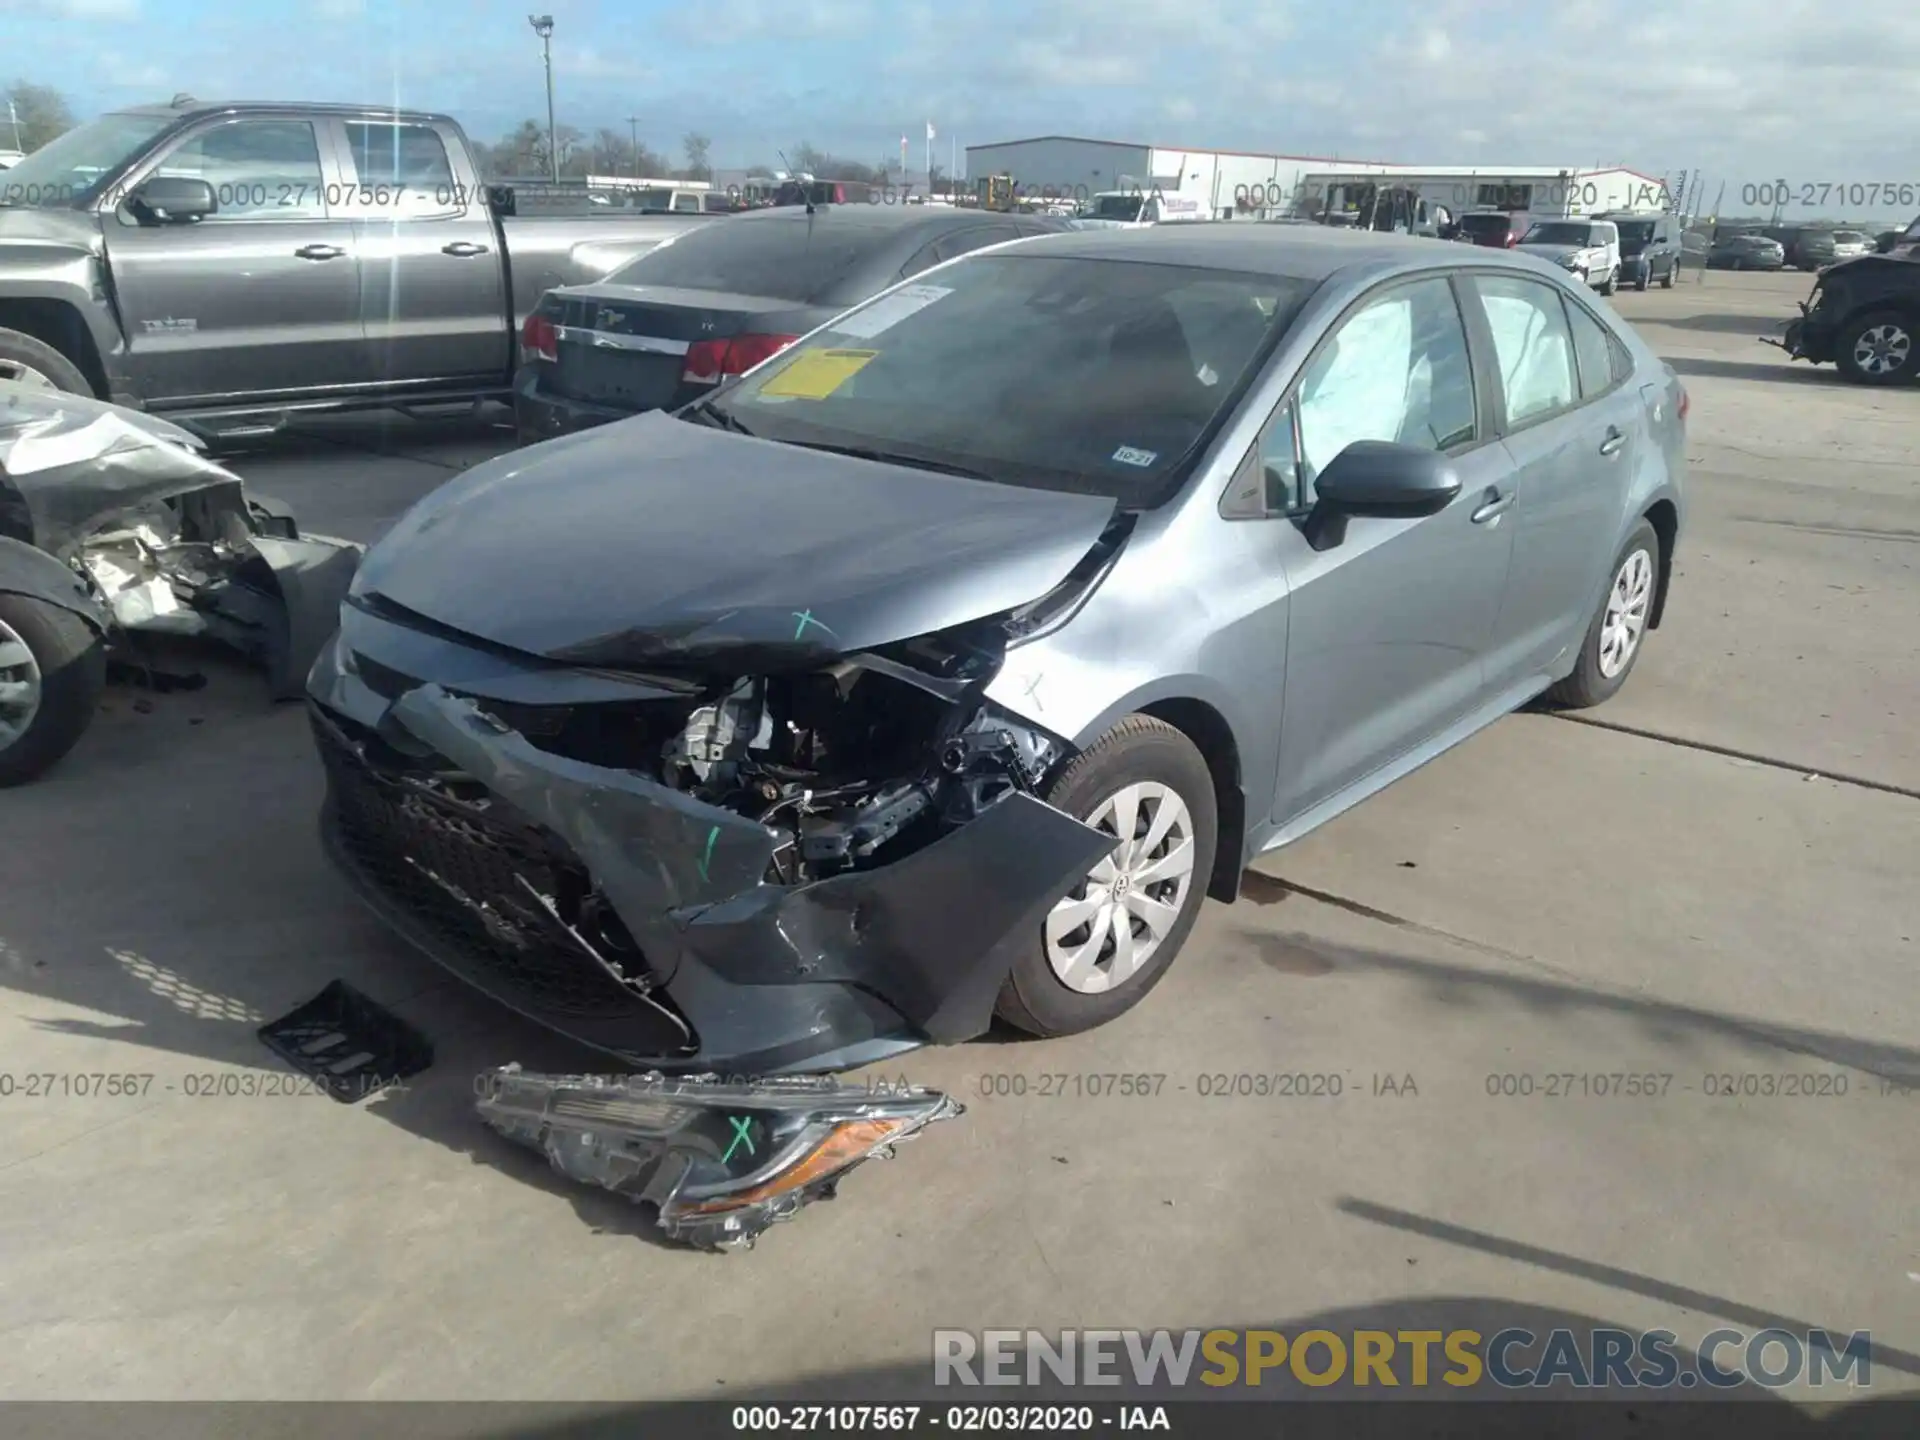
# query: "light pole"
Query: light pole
633,124
543,27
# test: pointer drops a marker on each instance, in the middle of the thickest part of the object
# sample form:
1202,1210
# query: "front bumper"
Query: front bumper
717,970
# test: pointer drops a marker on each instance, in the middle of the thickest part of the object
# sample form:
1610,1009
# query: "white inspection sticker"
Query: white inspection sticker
1127,455
889,311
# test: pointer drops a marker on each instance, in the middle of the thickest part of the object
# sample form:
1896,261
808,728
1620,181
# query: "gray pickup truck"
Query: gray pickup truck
229,265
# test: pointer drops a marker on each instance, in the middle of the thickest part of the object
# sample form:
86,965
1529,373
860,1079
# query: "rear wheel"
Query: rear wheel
1612,643
1108,942
37,365
52,668
1878,349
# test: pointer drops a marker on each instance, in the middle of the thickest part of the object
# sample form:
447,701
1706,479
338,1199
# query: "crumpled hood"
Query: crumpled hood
659,541
74,463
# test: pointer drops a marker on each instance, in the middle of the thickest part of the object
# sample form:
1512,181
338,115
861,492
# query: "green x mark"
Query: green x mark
805,617
742,1127
706,858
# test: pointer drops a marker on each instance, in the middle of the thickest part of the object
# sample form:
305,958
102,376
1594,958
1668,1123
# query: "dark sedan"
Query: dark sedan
1747,252
667,328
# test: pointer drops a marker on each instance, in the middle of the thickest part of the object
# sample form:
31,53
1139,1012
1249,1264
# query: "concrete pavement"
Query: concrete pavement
1552,898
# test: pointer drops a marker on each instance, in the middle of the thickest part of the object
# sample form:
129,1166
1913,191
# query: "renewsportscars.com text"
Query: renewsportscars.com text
1449,1360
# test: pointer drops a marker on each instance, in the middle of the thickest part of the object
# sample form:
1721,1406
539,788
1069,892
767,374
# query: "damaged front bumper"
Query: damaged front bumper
720,1161
167,541
510,874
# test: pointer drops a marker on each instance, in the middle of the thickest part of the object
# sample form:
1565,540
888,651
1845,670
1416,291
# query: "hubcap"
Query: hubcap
1626,618
1114,921
19,686
1882,349
18,372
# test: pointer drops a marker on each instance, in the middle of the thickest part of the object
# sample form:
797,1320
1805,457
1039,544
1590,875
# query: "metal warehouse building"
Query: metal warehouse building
1077,168
1228,182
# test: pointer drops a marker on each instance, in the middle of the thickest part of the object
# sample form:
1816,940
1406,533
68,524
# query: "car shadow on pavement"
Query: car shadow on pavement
169,896
1282,1405
1783,370
1720,322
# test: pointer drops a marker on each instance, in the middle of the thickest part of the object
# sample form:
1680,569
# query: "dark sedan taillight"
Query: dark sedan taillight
711,361
539,340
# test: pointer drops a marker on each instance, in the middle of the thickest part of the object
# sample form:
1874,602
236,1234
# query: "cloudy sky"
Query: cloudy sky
1799,90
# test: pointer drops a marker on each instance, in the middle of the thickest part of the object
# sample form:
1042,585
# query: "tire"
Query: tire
1612,282
1138,751
1897,330
1673,271
1590,684
24,359
69,662
1644,280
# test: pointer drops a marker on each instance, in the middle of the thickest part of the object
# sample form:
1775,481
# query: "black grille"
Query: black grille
456,864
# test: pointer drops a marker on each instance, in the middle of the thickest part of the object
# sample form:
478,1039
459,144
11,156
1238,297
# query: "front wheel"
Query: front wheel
1877,349
38,366
1611,283
1666,280
1112,937
52,669
1643,279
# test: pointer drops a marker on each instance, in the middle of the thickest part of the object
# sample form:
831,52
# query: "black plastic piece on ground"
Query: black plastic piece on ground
348,1042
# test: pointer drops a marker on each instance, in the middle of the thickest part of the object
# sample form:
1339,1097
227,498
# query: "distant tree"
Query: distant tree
39,114
698,149
805,157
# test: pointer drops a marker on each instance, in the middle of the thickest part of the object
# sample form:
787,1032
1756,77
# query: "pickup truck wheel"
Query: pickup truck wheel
37,365
1878,349
1114,935
52,668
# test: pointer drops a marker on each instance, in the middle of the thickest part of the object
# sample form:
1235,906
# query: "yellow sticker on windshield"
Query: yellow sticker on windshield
816,374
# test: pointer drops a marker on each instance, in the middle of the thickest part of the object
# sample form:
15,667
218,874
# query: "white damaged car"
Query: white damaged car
1588,248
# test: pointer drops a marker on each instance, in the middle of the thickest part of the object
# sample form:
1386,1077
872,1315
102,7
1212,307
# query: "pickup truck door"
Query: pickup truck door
432,276
262,296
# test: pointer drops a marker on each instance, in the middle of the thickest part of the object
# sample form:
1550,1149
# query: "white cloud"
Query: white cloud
1180,108
1435,46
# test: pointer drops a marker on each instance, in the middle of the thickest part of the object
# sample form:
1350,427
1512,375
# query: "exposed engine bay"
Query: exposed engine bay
164,541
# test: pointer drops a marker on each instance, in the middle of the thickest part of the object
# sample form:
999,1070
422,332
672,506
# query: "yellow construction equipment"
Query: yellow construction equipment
996,193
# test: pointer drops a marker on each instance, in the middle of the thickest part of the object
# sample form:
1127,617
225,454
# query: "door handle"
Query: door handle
1611,445
463,249
1492,505
319,252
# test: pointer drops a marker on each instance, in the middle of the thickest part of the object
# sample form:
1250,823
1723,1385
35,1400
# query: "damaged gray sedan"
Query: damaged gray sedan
940,666
113,525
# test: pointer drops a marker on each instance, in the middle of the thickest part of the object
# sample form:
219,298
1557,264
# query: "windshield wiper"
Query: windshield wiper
888,457
712,414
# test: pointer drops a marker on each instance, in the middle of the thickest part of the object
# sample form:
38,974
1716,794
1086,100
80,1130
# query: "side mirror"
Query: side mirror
1378,477
172,200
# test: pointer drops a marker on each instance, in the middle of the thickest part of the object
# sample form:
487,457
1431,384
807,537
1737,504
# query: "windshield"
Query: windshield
1117,207
1850,237
66,170
1553,233
1097,376
801,259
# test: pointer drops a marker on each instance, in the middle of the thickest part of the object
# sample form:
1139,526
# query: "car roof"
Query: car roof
859,215
195,109
1297,252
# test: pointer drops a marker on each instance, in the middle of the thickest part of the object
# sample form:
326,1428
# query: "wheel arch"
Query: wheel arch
1664,516
1213,737
60,324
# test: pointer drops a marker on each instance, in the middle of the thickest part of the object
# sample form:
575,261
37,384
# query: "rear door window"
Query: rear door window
400,170
1593,352
1532,345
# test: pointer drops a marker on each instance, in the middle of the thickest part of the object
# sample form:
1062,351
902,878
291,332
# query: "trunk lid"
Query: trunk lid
625,346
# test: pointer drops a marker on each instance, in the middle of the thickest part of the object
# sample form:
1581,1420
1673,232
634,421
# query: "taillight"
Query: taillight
711,361
538,339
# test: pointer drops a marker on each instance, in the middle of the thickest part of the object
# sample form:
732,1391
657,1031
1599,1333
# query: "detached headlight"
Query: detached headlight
722,1160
